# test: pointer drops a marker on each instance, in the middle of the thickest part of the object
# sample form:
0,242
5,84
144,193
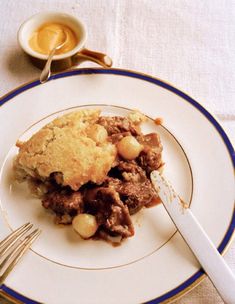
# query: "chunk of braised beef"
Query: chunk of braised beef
110,212
151,157
119,220
64,202
151,140
133,194
136,195
131,171
95,204
117,124
133,186
112,182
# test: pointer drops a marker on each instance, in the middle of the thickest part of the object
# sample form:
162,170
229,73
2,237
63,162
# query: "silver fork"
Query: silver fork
14,246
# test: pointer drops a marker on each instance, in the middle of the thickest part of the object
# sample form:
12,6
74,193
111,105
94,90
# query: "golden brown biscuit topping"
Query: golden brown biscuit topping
67,146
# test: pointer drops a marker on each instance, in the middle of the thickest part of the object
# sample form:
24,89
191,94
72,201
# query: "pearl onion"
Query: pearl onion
129,148
85,225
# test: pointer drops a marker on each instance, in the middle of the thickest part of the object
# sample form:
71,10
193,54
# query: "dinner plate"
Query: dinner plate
153,266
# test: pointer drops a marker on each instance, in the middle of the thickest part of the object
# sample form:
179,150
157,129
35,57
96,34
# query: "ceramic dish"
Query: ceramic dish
155,265
61,61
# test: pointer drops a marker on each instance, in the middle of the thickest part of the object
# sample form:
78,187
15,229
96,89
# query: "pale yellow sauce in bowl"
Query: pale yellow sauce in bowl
50,35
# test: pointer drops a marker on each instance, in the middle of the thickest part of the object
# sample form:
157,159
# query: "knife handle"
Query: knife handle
210,259
191,230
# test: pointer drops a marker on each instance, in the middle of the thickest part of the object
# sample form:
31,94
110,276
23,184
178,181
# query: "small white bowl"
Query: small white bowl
62,61
33,23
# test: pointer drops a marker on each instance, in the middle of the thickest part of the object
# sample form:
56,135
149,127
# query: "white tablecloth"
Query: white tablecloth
189,43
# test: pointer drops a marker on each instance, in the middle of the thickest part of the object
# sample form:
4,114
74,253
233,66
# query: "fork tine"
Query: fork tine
20,250
21,245
13,234
17,236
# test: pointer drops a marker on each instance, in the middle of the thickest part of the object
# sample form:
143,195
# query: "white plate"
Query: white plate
155,264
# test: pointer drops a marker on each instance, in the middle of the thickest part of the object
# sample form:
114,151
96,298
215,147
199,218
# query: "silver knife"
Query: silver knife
204,250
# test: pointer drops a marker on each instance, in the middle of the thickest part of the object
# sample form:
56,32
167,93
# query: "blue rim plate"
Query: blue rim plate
199,275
